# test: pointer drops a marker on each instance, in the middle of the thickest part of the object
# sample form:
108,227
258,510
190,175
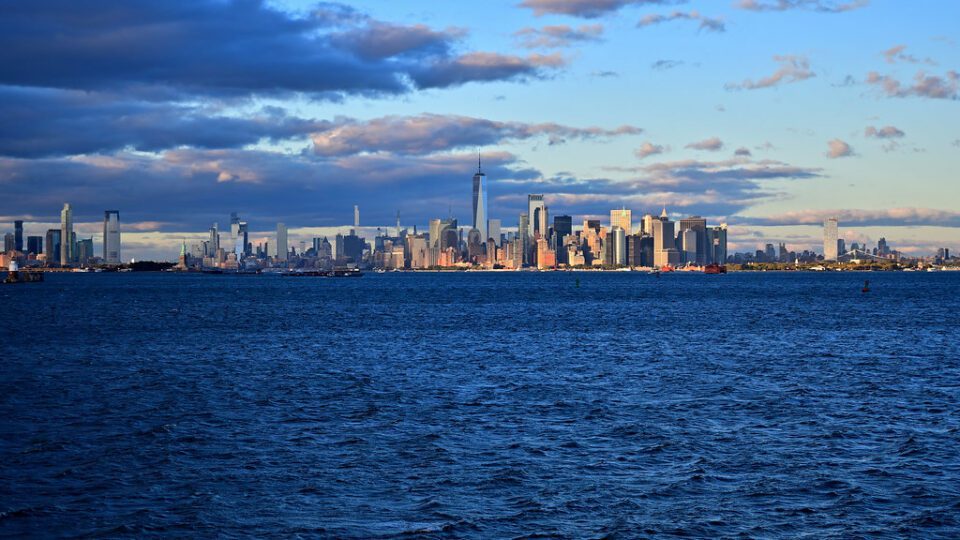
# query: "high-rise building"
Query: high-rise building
213,244
830,239
282,249
85,251
111,237
356,216
18,235
236,238
35,244
537,216
717,239
618,240
66,235
523,231
646,225
53,245
245,238
699,226
8,243
493,231
562,227
688,240
622,218
480,215
664,242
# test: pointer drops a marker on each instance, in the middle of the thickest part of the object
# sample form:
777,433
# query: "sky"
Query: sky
767,115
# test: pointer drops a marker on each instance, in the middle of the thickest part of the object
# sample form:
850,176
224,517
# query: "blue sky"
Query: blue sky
765,114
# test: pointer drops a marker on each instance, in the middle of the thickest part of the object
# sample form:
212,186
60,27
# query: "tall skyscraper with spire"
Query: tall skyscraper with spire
830,237
66,235
480,215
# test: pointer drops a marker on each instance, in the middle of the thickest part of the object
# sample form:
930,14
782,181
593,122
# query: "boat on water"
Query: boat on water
714,269
339,272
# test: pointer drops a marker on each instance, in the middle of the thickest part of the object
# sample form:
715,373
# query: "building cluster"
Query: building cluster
61,247
538,242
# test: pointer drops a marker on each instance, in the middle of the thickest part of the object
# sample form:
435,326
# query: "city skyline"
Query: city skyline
847,109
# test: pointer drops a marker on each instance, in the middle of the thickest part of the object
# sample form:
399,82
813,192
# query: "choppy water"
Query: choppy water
482,406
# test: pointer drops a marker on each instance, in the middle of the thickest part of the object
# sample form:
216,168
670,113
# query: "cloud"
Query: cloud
648,149
588,9
712,144
892,217
483,66
839,149
896,54
604,74
50,122
706,23
742,151
552,37
429,133
666,64
793,68
176,49
926,86
886,132
823,6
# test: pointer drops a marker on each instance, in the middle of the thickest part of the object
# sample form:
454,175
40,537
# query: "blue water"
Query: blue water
482,406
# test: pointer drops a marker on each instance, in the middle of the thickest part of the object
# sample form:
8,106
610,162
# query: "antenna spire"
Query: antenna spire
479,168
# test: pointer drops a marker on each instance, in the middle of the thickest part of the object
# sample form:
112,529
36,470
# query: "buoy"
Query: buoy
866,286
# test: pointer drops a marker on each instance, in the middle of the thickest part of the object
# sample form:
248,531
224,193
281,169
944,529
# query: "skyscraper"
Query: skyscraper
111,237
35,244
618,239
664,244
493,230
480,202
18,235
66,235
830,239
236,238
523,231
698,246
622,218
53,245
537,215
282,249
356,216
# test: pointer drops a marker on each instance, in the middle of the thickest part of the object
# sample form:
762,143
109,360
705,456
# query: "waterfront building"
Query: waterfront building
699,226
523,231
493,231
830,237
717,240
282,249
8,243
111,237
618,240
562,228
480,215
52,242
85,251
546,257
689,246
622,218
537,215
664,243
35,245
66,235
18,235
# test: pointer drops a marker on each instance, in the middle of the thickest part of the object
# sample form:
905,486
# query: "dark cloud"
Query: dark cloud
706,23
588,9
823,6
925,86
552,37
428,133
793,68
743,151
483,66
49,122
231,48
